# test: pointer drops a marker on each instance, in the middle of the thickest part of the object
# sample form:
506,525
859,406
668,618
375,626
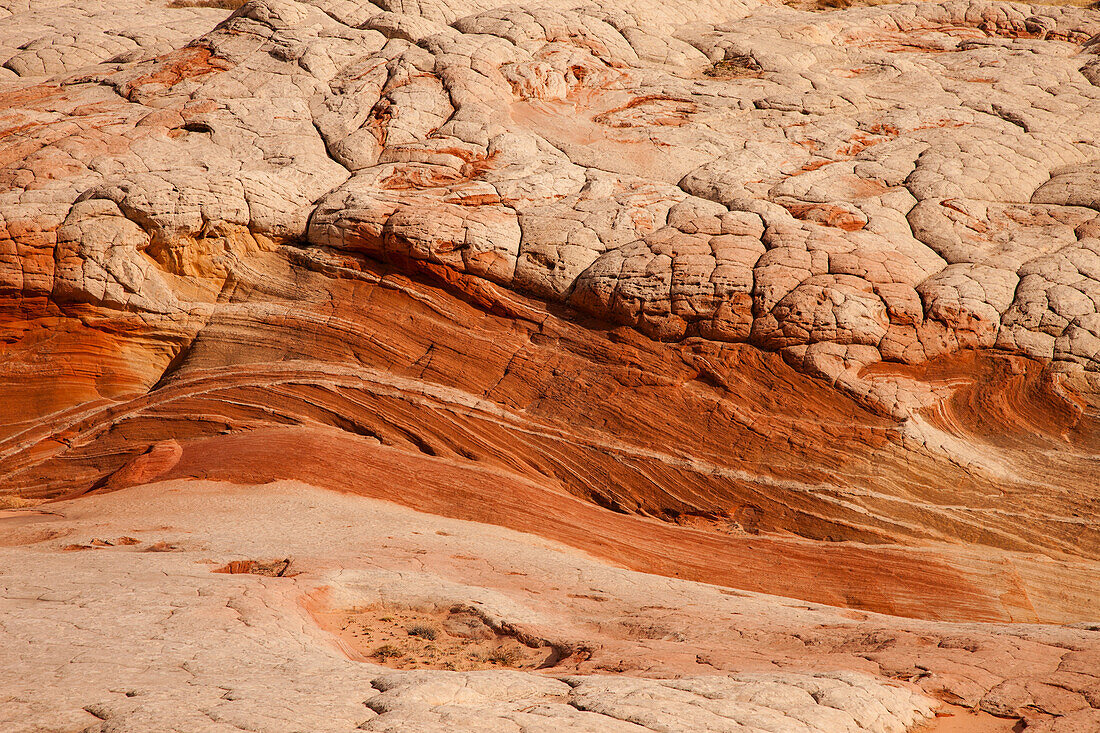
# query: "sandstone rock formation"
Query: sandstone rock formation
890,184
123,650
801,303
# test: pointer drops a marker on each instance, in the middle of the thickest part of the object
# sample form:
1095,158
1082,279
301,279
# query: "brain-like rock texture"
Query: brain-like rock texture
892,184
798,302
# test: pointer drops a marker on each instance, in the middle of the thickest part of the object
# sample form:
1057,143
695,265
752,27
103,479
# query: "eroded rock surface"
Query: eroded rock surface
892,184
792,302
118,638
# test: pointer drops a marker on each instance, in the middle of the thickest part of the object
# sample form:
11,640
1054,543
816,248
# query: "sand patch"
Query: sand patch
954,719
268,568
403,638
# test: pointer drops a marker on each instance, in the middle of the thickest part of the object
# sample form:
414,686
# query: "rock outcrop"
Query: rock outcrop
890,184
801,303
131,639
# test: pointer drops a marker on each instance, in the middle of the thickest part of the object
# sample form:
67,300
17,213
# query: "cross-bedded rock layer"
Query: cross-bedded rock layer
750,269
790,302
883,184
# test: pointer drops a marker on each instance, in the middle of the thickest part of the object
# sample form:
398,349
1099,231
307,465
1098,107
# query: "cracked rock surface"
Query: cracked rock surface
890,184
796,303
749,270
120,637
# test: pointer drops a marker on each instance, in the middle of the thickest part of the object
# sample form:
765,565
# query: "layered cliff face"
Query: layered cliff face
854,256
792,302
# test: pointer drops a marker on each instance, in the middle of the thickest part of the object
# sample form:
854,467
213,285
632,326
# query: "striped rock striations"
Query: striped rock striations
793,302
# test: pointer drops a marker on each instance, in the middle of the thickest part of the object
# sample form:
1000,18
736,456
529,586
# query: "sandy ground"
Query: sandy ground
953,719
403,638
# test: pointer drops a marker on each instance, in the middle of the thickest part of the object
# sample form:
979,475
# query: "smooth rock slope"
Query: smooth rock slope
116,619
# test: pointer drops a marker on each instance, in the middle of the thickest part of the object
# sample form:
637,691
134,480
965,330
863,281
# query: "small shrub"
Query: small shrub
423,631
506,656
733,67
387,651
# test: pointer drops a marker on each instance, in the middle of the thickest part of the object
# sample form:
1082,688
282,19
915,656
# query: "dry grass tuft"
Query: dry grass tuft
423,631
505,656
733,68
387,651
